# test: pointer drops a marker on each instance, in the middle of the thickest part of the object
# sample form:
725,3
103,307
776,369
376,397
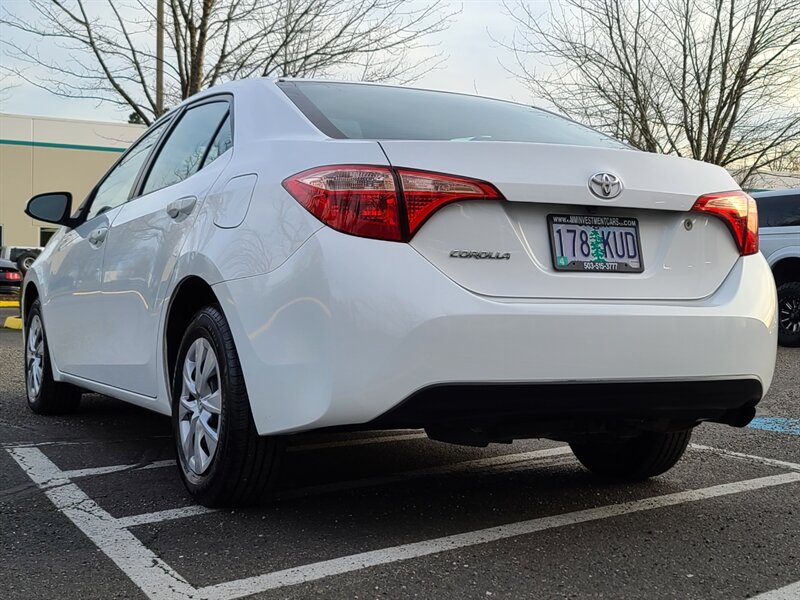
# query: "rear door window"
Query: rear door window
222,142
116,188
183,152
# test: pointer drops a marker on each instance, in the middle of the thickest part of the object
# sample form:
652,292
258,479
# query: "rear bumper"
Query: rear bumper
348,329
481,413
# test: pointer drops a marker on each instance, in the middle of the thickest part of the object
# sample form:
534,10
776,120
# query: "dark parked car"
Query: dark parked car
779,231
10,277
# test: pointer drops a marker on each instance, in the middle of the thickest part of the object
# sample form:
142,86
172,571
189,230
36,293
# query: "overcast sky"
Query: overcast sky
473,64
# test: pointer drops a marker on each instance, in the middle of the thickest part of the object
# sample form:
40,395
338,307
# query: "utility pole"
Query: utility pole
159,57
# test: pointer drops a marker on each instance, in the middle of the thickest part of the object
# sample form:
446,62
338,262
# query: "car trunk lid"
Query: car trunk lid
504,249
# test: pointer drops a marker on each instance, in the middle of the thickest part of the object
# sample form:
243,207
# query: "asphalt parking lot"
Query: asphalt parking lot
90,507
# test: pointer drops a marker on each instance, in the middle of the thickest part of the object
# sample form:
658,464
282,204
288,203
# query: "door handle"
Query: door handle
187,205
173,209
184,206
98,236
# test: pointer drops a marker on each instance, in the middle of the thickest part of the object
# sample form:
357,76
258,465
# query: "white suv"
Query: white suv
779,230
22,256
279,256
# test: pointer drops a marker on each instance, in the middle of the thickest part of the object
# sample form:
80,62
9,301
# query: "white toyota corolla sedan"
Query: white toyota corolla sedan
276,256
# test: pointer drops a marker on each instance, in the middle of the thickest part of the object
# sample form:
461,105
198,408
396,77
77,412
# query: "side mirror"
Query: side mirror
54,207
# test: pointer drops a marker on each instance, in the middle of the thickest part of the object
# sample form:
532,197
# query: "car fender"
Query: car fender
784,252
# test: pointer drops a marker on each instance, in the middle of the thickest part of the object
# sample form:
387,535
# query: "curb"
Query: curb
9,304
13,323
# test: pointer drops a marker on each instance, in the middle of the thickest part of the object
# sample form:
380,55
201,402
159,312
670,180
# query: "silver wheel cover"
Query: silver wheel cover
199,406
34,358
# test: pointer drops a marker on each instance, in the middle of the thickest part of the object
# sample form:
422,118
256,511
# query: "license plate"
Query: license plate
595,243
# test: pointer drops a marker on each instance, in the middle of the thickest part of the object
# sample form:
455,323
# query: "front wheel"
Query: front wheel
789,314
222,459
633,459
45,395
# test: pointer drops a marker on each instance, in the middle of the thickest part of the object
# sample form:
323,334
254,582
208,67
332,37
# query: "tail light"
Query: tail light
10,276
740,214
380,202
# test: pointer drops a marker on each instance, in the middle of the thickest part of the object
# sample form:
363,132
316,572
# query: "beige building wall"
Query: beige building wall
40,154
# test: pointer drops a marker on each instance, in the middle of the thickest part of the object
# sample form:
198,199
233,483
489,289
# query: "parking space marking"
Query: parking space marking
776,425
790,592
158,581
90,442
761,460
164,515
154,577
356,562
92,472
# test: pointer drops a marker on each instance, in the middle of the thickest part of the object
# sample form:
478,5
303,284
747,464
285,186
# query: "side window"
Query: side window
779,211
116,187
222,142
766,212
181,155
793,211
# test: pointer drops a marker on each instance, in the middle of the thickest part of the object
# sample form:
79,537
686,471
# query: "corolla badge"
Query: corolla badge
605,185
480,255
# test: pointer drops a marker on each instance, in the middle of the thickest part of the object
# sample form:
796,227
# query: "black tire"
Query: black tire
26,260
243,464
632,459
50,397
789,314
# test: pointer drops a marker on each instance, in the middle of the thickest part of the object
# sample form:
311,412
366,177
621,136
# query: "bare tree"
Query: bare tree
5,88
104,50
714,80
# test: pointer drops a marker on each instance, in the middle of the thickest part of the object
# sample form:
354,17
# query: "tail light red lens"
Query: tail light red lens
425,193
357,200
740,214
10,276
365,201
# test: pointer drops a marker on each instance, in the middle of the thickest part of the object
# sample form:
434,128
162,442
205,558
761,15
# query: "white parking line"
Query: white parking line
154,577
164,515
790,592
356,562
158,581
92,472
761,460
95,471
80,442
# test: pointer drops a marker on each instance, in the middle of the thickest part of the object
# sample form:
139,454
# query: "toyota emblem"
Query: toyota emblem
605,185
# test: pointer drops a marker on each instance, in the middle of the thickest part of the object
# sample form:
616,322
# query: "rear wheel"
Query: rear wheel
789,314
45,395
646,455
222,459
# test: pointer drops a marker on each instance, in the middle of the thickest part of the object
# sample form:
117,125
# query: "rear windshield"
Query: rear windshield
358,111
